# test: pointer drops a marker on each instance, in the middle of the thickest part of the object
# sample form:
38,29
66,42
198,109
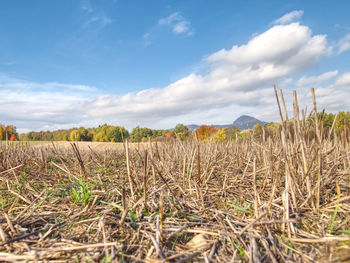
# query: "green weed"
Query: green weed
81,192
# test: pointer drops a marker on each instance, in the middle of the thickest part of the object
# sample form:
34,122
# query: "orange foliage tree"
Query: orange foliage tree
6,132
12,137
170,134
205,132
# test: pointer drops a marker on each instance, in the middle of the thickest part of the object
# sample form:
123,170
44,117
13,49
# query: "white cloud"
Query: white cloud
333,97
289,17
93,16
174,17
31,105
343,81
85,5
100,19
305,81
181,27
178,23
292,46
343,44
237,80
242,76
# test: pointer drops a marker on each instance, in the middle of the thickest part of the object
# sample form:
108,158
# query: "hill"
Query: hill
247,122
242,123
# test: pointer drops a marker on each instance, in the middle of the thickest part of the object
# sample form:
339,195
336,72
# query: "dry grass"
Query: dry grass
86,146
277,199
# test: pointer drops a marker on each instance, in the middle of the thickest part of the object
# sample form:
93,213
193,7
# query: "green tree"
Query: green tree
343,119
159,133
116,133
83,134
328,120
138,133
180,128
231,132
181,131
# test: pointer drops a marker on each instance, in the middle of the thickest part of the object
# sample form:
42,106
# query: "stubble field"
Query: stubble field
282,196
277,199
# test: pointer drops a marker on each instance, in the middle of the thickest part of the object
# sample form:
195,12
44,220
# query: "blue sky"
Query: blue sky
157,63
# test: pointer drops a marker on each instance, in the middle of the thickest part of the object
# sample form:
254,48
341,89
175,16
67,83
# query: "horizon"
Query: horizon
171,128
70,64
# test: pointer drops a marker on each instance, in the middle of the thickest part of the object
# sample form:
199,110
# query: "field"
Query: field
277,198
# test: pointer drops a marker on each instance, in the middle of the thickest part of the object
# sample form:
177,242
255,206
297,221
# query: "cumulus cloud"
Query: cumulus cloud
235,81
31,105
178,23
306,81
343,81
343,44
289,17
332,98
238,76
329,98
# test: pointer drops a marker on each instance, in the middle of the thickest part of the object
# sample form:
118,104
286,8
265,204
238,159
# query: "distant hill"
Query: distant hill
242,123
247,122
192,127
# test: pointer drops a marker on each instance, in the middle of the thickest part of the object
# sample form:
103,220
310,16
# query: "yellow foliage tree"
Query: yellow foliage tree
257,130
74,135
244,134
220,135
101,137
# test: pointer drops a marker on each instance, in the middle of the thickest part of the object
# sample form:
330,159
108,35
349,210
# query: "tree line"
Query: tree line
109,133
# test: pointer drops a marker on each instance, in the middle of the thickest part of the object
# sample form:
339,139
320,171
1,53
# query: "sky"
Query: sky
157,63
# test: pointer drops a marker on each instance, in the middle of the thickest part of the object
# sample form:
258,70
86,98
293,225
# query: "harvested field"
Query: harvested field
283,198
94,146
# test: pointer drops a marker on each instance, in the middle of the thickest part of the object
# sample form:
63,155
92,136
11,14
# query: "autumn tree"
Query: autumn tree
74,135
244,134
170,134
100,137
1,132
7,131
220,135
257,130
204,132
